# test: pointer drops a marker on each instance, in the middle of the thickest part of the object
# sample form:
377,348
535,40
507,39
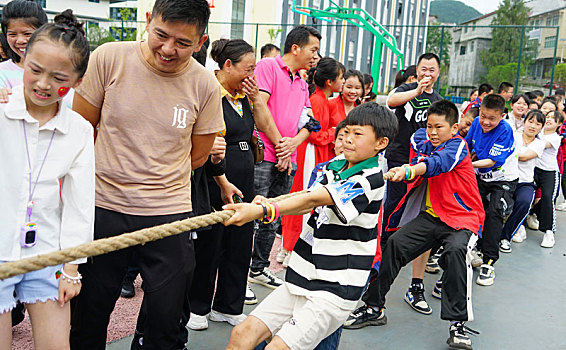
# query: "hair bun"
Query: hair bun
67,19
217,48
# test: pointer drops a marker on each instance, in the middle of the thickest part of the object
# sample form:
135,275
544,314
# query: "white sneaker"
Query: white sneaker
505,246
561,206
281,255
250,299
477,259
486,276
234,320
285,262
265,277
532,222
520,235
548,239
197,322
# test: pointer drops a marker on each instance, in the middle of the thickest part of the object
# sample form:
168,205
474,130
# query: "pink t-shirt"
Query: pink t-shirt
288,97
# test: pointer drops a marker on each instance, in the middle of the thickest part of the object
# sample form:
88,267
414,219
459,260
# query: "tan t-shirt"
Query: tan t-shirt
143,147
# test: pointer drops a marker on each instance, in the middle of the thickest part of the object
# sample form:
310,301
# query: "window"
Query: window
41,2
238,14
537,23
548,21
465,29
555,20
97,1
462,50
123,13
471,46
549,41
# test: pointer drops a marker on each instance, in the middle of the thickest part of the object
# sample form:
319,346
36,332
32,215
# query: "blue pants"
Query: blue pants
524,195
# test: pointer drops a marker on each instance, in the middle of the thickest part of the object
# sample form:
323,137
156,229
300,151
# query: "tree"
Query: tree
433,38
97,36
505,41
559,73
497,74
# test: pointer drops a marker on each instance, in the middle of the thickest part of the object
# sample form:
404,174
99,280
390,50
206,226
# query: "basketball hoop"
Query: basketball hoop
211,4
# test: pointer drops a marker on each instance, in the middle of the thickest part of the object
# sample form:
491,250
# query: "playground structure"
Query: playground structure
362,19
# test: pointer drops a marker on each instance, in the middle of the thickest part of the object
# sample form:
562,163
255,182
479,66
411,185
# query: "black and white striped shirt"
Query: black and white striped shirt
335,251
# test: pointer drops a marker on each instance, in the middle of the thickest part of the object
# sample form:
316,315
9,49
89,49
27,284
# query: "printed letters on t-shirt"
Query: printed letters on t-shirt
180,117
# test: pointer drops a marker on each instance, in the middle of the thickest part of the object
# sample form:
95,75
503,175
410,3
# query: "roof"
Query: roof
480,17
539,7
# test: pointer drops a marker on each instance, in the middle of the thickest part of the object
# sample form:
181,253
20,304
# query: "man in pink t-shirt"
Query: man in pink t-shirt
287,96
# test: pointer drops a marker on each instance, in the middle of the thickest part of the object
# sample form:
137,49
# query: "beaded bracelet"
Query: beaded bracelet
70,279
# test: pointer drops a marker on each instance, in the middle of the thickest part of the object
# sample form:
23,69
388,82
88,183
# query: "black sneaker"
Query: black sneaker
128,290
265,277
365,316
437,290
432,265
415,298
458,336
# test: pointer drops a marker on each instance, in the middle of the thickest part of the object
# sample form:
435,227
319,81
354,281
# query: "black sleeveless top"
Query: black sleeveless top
239,157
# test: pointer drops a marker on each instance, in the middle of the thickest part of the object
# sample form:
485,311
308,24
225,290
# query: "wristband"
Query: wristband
272,212
407,173
264,213
276,211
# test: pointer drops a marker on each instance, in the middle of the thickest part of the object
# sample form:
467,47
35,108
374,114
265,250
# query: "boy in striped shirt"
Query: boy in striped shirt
331,262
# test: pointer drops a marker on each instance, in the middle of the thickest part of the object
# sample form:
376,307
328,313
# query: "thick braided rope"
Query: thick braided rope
111,244
107,245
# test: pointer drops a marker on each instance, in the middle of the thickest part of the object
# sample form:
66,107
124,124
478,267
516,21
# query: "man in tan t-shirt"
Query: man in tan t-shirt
158,111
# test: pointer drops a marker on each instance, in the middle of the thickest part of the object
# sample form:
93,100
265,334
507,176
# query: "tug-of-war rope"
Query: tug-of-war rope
126,240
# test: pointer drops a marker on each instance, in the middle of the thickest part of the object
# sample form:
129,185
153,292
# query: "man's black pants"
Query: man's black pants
165,267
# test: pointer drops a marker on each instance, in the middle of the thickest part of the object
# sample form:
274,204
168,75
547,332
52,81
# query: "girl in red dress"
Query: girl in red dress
326,78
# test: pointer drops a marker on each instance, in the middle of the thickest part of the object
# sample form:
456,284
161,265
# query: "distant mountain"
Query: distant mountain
452,11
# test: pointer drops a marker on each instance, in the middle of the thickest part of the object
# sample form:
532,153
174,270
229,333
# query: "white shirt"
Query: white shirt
63,209
548,160
516,124
527,169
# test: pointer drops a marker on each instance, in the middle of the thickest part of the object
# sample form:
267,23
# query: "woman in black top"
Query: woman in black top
226,251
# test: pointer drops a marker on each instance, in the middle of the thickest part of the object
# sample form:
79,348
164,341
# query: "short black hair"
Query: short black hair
531,95
484,88
195,12
428,56
504,86
560,92
494,101
517,97
267,48
538,93
30,12
537,115
300,36
473,112
445,108
380,118
339,127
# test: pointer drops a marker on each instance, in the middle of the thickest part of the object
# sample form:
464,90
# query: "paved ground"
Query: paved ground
524,309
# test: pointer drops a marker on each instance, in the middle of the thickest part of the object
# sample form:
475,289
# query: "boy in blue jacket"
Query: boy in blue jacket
491,140
442,206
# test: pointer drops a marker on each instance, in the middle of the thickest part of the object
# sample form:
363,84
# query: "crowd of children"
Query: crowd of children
417,180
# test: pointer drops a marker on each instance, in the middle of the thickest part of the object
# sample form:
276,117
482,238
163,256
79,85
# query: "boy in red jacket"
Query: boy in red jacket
442,206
